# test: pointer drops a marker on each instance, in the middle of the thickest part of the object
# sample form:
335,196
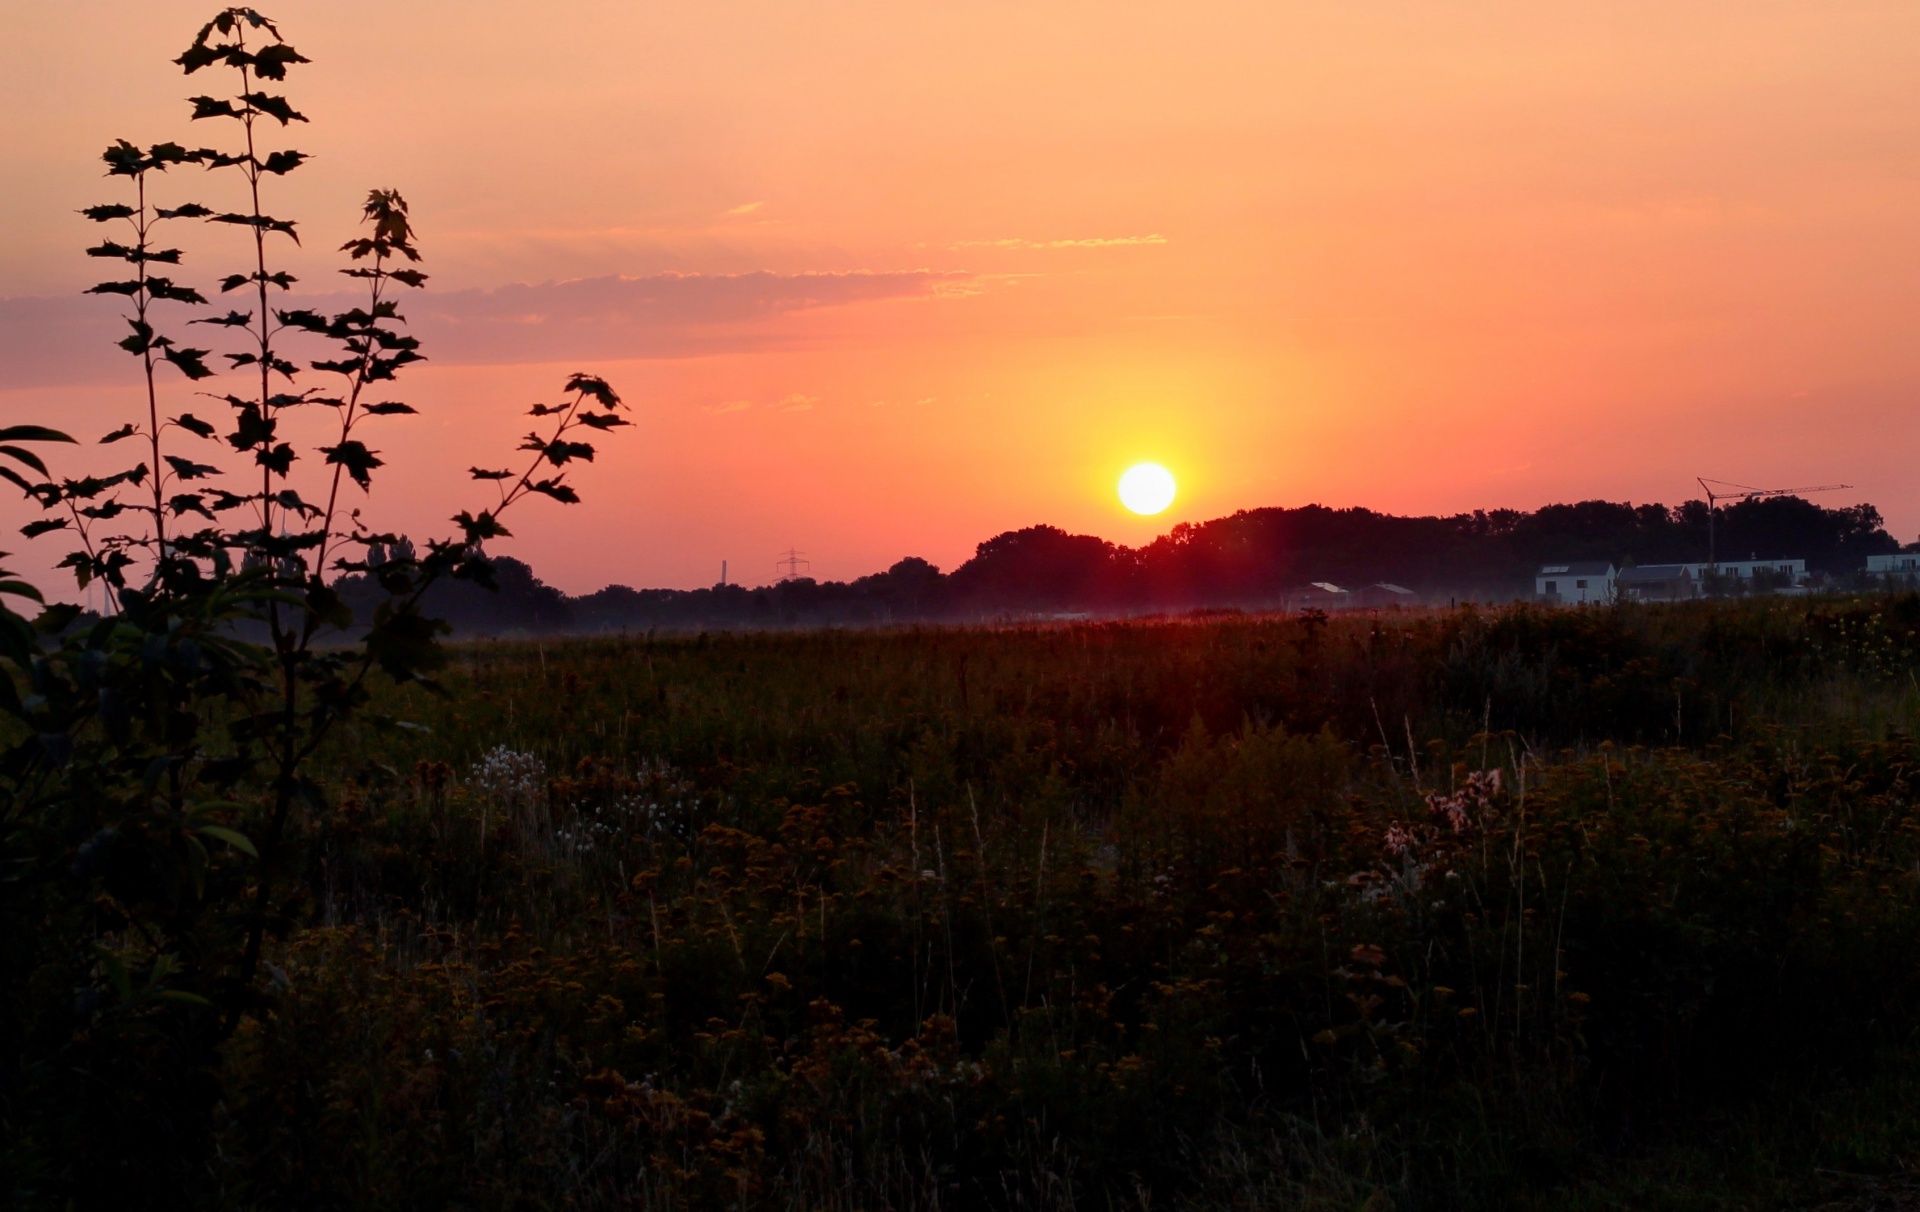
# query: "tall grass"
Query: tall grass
1459,909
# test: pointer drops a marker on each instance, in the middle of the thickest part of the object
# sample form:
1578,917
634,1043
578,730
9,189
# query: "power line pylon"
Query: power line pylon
792,565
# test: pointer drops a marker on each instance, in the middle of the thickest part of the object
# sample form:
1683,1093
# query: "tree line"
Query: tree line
1254,559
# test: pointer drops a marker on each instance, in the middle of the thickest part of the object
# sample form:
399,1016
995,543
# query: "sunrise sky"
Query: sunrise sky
885,279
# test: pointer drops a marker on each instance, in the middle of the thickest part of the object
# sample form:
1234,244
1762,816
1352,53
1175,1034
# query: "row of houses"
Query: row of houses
1593,581
1599,581
1581,581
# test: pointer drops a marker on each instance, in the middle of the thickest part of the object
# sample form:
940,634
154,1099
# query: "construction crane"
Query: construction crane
1743,492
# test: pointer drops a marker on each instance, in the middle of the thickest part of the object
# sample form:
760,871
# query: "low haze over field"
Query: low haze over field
886,280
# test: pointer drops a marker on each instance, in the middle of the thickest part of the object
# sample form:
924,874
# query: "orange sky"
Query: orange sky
886,279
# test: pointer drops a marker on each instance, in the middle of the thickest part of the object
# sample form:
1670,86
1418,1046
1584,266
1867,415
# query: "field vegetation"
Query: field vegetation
1523,908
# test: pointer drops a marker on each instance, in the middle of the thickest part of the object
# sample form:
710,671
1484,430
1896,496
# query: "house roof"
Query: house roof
1326,587
1392,588
1656,572
1577,568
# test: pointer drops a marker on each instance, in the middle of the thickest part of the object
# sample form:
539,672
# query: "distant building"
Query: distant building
1899,566
1657,583
1386,594
1575,582
1782,573
1321,595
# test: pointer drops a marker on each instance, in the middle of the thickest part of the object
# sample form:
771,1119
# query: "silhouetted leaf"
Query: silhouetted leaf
125,431
163,288
281,163
594,386
273,106
356,458
212,107
480,474
112,210
271,63
189,362
555,489
187,469
233,319
300,318
481,528
31,433
22,455
34,530
254,428
142,338
388,408
193,425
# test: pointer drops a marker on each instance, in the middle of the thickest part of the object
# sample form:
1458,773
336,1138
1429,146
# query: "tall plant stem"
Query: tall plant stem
141,301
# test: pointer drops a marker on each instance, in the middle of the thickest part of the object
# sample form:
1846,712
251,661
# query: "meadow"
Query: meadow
1462,909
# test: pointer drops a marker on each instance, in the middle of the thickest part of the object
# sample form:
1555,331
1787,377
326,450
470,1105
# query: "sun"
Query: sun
1146,488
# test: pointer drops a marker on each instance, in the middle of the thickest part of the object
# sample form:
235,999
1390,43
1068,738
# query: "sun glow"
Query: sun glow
1146,488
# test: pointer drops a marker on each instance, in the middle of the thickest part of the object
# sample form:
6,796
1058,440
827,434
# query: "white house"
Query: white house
1896,566
1575,582
1790,572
